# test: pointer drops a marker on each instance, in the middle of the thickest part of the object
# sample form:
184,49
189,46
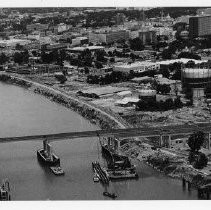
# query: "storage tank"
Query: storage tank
195,81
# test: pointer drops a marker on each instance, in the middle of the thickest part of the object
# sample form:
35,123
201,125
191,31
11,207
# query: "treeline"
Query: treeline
113,77
153,105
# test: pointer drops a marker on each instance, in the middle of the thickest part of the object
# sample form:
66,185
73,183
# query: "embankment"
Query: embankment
94,114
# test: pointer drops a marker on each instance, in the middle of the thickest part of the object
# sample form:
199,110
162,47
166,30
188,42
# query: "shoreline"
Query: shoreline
90,112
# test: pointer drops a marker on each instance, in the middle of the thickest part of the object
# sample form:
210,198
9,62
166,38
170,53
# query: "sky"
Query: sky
102,3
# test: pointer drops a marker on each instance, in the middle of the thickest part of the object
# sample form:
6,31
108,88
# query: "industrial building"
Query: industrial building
79,41
137,67
108,37
11,43
199,26
37,27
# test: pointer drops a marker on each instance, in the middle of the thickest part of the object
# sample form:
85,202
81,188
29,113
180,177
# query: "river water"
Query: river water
25,113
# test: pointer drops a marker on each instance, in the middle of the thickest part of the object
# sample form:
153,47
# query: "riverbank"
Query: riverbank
93,114
173,165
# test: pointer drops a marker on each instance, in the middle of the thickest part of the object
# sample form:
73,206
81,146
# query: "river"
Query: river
25,113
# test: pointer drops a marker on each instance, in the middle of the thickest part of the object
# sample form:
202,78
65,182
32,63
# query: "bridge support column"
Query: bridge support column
116,145
45,142
161,141
169,141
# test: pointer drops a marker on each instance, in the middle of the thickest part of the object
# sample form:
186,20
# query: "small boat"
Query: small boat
111,195
57,170
5,191
96,178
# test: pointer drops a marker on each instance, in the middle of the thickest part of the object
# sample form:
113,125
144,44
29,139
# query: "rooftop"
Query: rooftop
84,48
181,60
104,90
137,64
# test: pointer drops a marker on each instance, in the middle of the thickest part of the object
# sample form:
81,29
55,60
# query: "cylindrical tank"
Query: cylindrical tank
195,81
196,74
198,92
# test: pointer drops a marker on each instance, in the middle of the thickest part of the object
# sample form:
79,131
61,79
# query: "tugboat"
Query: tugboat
46,156
111,195
5,191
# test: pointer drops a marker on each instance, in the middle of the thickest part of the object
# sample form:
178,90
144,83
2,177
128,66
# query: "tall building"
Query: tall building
195,81
199,26
206,11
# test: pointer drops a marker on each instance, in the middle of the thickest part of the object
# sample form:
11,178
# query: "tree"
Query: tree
166,54
61,78
163,89
112,60
3,59
98,65
178,103
136,44
196,140
18,47
165,72
18,58
199,160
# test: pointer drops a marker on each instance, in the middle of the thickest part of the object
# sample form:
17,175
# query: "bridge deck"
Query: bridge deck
129,132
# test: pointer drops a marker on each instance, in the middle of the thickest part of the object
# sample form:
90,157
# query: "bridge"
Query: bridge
163,132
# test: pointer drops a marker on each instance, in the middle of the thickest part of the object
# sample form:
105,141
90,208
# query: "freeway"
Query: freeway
121,133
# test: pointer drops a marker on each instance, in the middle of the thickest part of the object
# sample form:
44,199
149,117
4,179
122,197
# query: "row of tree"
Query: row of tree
113,77
153,105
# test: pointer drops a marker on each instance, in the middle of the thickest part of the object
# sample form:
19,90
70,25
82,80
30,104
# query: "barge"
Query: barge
118,166
57,170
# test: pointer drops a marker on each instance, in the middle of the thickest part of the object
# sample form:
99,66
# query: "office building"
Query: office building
199,26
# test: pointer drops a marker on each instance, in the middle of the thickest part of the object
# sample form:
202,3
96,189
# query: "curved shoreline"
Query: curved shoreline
94,114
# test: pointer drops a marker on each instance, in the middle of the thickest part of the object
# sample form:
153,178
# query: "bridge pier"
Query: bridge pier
47,148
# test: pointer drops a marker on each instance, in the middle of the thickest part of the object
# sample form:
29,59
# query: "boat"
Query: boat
100,172
111,195
96,178
46,156
5,191
51,160
57,170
